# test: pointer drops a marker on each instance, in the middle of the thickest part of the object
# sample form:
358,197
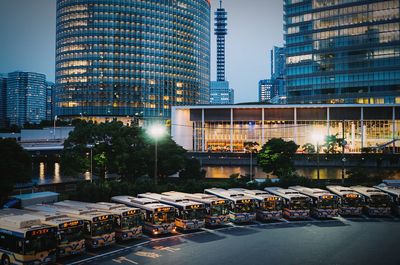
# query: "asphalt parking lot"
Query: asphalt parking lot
338,241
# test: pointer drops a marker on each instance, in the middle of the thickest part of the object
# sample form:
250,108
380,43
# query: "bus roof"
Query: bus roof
368,191
393,190
141,203
256,194
109,207
340,190
228,194
197,197
285,193
49,217
84,213
19,221
177,201
312,192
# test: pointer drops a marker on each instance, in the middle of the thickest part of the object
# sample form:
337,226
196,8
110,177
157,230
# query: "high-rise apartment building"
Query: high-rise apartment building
342,51
220,92
125,58
26,98
3,99
50,92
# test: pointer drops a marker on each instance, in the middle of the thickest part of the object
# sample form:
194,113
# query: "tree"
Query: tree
309,148
332,143
192,170
276,157
15,166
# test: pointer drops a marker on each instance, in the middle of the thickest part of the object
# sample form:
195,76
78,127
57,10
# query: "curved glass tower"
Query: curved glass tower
119,58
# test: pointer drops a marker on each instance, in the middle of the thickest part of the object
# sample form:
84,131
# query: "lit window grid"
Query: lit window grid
181,62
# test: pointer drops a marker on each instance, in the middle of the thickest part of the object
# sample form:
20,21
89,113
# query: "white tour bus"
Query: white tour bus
70,230
269,207
377,202
324,204
159,218
350,202
99,225
242,208
189,214
127,220
295,204
217,209
394,192
24,239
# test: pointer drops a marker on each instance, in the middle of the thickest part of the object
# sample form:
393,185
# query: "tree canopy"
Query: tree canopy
125,150
15,166
276,157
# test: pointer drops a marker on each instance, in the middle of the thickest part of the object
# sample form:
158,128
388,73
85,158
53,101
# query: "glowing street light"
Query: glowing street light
318,137
156,131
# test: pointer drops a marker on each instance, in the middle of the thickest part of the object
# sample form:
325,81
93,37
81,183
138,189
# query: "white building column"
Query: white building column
328,120
203,133
362,128
231,131
394,129
262,127
295,126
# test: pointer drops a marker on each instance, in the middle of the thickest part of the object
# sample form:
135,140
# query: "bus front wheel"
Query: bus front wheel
5,260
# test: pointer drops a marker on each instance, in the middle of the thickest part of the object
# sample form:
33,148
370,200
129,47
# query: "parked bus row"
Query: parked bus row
40,233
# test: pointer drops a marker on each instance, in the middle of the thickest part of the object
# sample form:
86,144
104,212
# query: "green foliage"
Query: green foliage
192,170
15,166
309,148
276,157
123,150
332,143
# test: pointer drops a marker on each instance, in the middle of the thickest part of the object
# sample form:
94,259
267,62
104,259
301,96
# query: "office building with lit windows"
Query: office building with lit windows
3,98
227,128
265,90
127,58
342,51
50,92
26,98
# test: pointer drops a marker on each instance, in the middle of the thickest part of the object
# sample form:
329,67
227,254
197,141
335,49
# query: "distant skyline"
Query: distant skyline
27,30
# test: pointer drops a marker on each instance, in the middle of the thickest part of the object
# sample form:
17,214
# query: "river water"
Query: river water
49,173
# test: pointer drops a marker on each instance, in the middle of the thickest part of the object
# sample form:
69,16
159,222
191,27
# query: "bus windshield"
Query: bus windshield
379,201
271,205
70,234
39,243
101,228
129,222
327,204
193,214
244,207
299,204
164,217
221,209
351,202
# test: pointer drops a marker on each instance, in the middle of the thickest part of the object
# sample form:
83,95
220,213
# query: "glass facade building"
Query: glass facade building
221,93
50,92
265,90
342,51
3,98
124,58
26,98
227,128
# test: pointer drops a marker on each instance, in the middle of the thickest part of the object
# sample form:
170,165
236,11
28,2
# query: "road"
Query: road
340,242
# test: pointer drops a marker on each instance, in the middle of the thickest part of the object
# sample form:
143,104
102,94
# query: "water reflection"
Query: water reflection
325,173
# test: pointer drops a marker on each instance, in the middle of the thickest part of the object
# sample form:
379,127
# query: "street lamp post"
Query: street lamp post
156,131
54,127
91,161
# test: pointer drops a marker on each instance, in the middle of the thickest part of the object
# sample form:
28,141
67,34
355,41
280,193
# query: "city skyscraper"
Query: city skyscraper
50,92
220,92
341,51
273,90
26,98
127,58
3,98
